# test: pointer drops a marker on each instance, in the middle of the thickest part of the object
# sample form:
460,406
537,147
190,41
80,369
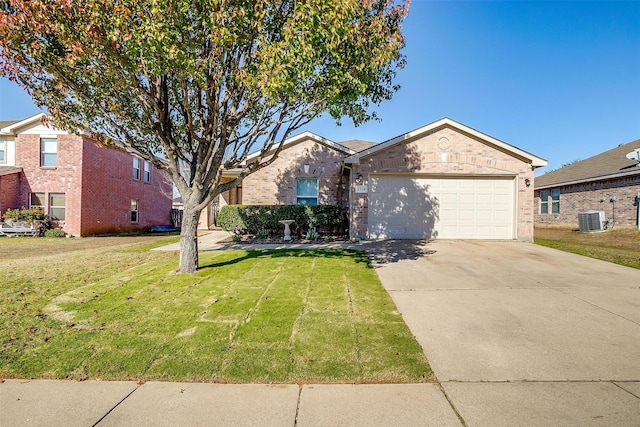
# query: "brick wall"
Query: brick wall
457,154
9,191
108,188
65,177
96,181
276,184
595,196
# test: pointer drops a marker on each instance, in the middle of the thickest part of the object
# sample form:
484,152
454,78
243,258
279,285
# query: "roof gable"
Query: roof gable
446,122
304,136
609,164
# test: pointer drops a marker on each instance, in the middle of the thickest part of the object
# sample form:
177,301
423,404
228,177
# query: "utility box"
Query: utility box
590,221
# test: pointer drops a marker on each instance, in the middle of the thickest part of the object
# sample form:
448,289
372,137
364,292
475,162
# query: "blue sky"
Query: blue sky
560,79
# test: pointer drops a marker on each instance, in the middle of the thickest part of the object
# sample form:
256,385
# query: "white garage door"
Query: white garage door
403,207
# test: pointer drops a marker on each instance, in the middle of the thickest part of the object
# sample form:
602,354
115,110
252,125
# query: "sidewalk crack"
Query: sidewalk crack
116,405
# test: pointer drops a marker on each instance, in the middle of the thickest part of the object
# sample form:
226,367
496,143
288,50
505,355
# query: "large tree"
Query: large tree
194,86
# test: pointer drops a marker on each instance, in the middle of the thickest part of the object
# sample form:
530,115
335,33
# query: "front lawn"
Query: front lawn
118,312
618,245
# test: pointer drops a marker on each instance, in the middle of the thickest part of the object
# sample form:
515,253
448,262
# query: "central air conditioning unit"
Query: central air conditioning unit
589,221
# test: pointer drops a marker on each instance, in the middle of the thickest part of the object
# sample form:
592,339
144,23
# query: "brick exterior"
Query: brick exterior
462,156
9,191
276,184
595,195
97,183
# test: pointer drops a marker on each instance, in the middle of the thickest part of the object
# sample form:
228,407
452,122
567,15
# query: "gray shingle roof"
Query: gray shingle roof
357,144
6,123
601,166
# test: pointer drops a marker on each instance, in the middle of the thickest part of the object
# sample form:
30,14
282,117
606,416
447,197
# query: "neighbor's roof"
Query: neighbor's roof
13,125
8,170
443,123
5,123
357,144
610,164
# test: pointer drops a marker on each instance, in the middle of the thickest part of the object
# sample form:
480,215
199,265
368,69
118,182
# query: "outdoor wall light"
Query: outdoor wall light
306,168
359,178
527,182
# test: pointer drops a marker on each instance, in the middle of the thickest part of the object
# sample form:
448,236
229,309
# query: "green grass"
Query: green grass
284,316
622,256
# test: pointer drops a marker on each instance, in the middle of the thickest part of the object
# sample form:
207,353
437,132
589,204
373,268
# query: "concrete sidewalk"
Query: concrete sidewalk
103,403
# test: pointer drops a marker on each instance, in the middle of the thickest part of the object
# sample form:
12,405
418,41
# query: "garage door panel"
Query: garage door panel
404,207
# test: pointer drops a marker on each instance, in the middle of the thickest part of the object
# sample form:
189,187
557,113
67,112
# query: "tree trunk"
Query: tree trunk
189,240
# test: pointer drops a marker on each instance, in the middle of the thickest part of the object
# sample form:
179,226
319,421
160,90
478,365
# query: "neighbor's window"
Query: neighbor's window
147,171
36,200
555,201
3,151
48,152
134,210
307,191
136,168
57,206
544,202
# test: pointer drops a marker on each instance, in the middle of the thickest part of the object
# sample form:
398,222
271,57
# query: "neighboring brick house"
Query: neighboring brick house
443,180
85,186
606,182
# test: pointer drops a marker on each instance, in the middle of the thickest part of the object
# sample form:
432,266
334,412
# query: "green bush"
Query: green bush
26,215
54,232
262,234
328,219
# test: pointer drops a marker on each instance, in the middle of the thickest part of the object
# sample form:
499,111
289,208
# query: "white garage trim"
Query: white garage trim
445,207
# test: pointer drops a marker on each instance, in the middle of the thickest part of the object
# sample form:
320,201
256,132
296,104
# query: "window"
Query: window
544,202
48,152
136,168
555,201
3,151
134,210
147,171
307,191
36,200
57,206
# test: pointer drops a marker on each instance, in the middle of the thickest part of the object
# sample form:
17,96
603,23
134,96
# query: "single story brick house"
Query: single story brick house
444,180
84,186
608,182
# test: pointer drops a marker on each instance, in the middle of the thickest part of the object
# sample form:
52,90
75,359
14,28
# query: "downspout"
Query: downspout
349,201
638,205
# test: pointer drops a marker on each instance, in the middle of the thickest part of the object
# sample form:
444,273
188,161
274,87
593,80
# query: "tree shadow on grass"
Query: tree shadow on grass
356,255
377,253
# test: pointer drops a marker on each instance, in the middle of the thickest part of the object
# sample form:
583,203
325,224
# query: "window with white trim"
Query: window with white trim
136,168
36,200
307,191
555,201
57,206
48,152
3,151
134,210
544,202
147,171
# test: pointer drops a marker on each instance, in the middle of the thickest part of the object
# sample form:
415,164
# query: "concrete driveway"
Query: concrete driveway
520,334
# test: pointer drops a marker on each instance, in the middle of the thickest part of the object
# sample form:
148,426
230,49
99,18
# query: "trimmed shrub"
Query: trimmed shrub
241,219
26,215
54,232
